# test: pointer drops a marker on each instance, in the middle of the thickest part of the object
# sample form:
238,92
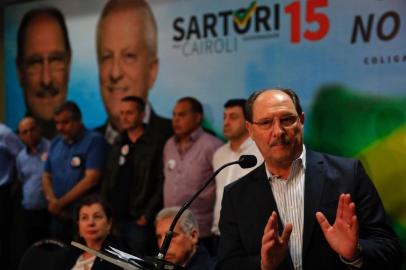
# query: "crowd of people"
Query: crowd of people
138,175
122,183
78,182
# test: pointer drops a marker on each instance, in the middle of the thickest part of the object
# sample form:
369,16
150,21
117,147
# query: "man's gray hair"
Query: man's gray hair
151,31
187,220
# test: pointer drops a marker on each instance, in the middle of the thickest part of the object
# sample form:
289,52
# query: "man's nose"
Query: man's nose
116,71
226,121
276,128
46,74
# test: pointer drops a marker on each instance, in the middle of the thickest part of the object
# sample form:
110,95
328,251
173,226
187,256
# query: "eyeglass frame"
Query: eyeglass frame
268,123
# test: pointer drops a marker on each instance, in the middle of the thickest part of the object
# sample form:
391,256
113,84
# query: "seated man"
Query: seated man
184,249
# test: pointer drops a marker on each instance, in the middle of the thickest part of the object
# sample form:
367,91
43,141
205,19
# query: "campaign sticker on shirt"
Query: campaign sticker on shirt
121,161
171,164
125,149
44,156
75,162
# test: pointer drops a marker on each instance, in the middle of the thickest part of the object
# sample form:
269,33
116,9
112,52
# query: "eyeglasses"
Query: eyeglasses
56,62
284,122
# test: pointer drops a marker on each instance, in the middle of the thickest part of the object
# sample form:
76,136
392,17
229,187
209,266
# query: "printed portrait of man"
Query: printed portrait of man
128,62
43,63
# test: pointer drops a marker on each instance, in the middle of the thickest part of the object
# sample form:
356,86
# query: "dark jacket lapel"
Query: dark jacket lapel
314,182
266,203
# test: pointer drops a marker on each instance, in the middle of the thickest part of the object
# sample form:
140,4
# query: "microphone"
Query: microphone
245,161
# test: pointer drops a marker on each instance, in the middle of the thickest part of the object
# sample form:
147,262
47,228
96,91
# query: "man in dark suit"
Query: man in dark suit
128,63
269,217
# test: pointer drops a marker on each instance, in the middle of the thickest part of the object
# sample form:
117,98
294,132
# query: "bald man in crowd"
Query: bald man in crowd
30,167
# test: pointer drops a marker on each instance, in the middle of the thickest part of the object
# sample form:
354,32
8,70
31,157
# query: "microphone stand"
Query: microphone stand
168,237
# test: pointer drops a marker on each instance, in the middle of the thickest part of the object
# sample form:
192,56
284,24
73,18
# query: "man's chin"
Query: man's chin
114,122
43,116
171,258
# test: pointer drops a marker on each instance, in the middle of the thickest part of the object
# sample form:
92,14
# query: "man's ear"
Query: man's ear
20,71
248,125
153,72
195,236
302,118
199,119
68,60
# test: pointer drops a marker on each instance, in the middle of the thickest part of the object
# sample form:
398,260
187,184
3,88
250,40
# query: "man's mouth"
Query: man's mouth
280,142
47,92
117,90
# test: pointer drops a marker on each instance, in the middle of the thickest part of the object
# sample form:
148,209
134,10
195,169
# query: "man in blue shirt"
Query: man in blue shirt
10,145
73,168
30,167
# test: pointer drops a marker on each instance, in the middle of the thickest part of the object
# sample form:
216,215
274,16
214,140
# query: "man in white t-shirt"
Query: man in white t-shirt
239,143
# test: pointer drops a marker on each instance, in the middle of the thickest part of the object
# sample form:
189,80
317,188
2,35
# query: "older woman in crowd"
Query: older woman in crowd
94,229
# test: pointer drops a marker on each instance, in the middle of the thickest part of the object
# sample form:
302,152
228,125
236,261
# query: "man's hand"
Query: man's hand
274,247
54,207
343,235
142,221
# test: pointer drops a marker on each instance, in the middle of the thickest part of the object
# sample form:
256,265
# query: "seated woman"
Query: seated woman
94,229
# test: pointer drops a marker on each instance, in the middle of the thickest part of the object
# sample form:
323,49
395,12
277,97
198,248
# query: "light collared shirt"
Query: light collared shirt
30,167
232,173
186,171
10,146
289,197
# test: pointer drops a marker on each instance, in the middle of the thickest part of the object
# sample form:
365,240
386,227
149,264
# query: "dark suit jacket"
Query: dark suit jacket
201,260
157,125
147,166
248,203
